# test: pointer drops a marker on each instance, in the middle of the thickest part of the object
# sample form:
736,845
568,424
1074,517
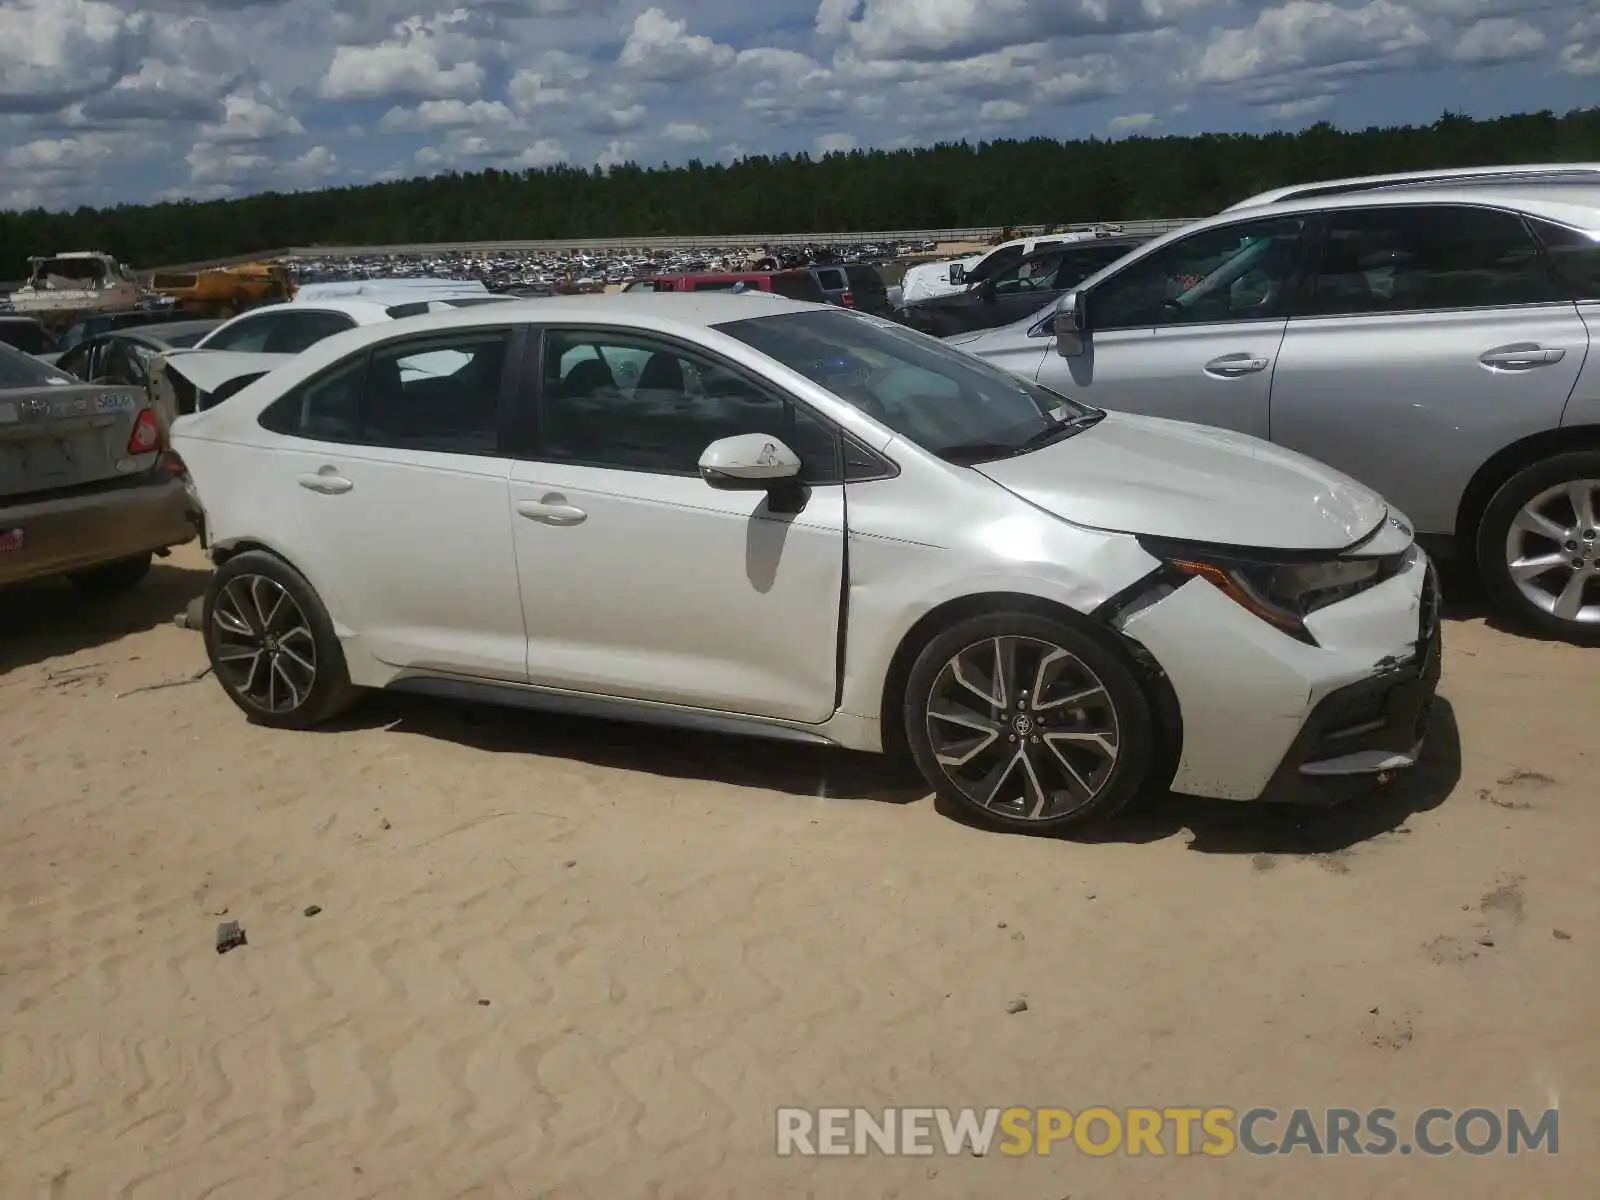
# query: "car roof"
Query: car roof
1571,203
162,330
1460,176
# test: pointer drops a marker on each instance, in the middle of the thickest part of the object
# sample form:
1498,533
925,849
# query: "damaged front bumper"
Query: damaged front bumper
1267,717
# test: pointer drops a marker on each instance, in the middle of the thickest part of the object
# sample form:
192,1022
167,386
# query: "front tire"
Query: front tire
1028,723
1538,547
112,578
272,644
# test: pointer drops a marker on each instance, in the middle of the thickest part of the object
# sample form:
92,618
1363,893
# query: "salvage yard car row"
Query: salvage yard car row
763,516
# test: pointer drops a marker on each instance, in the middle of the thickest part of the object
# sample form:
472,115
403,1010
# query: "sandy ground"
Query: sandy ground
558,958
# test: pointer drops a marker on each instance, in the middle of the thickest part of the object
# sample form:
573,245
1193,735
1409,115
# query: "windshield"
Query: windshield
19,370
952,405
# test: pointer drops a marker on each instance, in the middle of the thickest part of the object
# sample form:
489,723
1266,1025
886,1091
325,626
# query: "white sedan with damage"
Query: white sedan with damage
798,522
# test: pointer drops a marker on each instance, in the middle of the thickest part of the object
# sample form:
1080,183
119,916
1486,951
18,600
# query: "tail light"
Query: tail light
146,436
848,298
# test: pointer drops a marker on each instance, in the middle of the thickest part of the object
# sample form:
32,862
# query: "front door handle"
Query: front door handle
552,510
1231,366
328,481
1523,356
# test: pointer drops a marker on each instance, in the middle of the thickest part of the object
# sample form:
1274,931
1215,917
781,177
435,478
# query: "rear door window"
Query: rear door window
1426,257
832,279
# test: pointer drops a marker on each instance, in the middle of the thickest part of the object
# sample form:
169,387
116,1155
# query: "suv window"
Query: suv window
1237,272
1576,256
1423,257
599,412
831,279
442,395
797,285
1036,273
1000,260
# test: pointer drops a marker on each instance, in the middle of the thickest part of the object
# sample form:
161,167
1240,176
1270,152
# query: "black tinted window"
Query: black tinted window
1238,272
1000,260
441,395
1426,257
29,338
832,279
1576,256
799,286
613,400
302,330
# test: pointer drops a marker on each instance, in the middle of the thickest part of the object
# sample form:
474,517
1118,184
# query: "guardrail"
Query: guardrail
663,242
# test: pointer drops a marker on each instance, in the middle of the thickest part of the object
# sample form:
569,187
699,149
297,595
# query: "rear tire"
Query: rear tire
272,644
112,578
1538,548
1028,723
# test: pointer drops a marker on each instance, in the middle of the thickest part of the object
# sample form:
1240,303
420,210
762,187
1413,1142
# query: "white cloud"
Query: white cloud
1581,53
448,114
835,143
1131,122
1498,39
686,132
1294,110
1310,33
53,52
661,49
616,153
251,118
420,58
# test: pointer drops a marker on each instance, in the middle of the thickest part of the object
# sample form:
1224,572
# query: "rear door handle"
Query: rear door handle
1231,366
553,510
1522,357
328,481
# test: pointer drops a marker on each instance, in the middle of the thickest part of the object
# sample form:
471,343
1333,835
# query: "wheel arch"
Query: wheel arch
1502,465
1163,699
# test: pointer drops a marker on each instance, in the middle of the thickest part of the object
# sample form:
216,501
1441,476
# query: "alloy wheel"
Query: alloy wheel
265,649
1552,551
1023,728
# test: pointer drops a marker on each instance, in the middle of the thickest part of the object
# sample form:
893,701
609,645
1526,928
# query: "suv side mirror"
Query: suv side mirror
958,274
1071,324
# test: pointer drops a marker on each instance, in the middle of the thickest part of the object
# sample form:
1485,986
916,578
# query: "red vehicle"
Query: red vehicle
796,285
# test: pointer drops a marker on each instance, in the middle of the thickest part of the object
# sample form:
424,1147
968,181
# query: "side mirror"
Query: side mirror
958,274
1071,324
749,462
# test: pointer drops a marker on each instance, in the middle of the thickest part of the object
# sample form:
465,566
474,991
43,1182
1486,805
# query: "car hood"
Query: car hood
1192,483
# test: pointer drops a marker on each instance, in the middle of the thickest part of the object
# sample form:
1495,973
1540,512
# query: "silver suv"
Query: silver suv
1429,337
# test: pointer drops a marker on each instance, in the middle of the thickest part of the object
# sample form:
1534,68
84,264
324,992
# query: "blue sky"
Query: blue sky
106,101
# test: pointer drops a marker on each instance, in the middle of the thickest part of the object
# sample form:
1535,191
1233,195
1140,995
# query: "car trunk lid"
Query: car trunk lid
53,438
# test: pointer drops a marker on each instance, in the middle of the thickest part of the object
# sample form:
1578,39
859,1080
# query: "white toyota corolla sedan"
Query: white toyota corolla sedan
800,522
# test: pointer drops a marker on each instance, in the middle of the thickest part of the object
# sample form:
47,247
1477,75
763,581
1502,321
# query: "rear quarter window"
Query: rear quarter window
1576,257
831,279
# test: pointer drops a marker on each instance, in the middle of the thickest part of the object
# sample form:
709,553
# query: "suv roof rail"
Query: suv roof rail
1518,173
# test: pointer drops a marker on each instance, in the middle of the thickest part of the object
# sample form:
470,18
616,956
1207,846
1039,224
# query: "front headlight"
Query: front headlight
1281,591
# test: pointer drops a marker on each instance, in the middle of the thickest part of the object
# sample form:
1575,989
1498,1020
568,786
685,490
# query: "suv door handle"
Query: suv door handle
1522,356
1231,366
328,481
551,511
